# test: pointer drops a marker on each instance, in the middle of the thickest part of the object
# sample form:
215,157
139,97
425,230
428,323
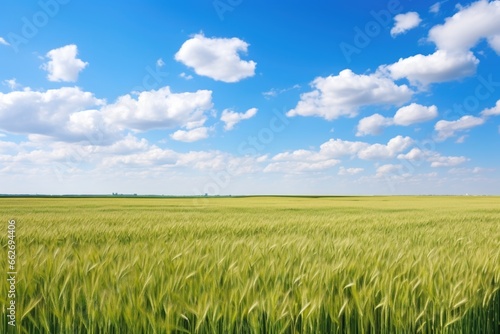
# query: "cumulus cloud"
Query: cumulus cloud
415,113
495,111
231,118
337,148
70,114
440,66
216,58
300,161
415,154
436,159
447,129
466,28
396,145
160,109
405,22
440,161
343,94
65,114
63,64
373,125
190,135
407,115
3,41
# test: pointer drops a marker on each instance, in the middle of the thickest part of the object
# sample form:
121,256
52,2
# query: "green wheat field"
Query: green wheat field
254,265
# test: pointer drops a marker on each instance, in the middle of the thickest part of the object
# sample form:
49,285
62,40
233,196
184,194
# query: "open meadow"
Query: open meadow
254,265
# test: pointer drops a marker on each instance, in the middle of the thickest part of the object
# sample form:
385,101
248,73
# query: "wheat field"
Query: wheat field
254,265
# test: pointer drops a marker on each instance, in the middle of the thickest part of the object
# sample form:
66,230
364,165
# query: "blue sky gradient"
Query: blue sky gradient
250,97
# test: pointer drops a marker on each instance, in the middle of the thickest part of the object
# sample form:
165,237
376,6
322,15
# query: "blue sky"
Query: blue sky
250,97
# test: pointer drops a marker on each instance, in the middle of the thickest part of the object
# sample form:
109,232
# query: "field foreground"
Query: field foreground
254,265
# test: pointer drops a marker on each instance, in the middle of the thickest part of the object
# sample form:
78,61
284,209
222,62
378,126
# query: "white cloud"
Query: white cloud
466,28
63,114
4,42
388,169
440,66
186,76
337,148
190,135
405,22
329,152
300,161
349,171
70,114
63,64
344,94
447,129
415,154
300,155
216,58
407,115
231,118
436,159
127,145
440,161
415,113
396,145
495,111
160,109
373,125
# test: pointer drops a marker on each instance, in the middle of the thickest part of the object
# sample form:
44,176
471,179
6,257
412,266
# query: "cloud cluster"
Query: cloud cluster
344,94
466,28
447,129
216,58
71,114
441,66
436,160
405,116
160,109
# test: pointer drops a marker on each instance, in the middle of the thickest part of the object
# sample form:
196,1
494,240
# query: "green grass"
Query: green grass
255,265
